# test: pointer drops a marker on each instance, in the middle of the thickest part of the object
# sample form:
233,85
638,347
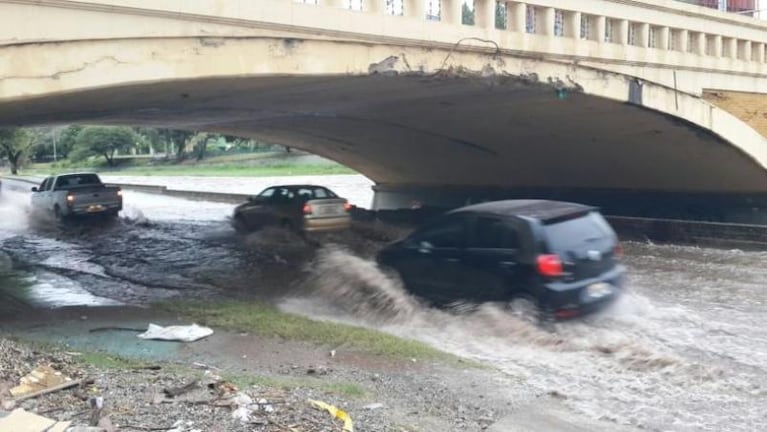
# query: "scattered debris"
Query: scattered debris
178,391
319,370
332,353
188,333
373,406
21,421
40,379
335,412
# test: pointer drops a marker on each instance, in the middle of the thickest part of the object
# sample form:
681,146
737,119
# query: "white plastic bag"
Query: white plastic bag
188,333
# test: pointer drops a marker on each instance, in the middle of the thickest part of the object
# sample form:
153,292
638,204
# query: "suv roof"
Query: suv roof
536,209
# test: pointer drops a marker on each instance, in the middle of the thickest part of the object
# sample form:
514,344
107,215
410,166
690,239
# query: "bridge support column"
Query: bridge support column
484,13
515,13
416,9
452,11
373,6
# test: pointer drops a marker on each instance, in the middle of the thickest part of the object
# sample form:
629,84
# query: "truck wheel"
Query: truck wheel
57,213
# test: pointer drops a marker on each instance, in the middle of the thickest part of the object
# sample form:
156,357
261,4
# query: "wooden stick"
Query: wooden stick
54,389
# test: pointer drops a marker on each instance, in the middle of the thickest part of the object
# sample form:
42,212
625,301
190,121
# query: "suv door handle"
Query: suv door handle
507,264
452,260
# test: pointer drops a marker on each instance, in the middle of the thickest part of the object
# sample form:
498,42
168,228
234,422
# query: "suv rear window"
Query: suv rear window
574,234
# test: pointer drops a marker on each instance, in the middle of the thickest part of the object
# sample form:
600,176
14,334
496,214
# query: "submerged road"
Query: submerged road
684,350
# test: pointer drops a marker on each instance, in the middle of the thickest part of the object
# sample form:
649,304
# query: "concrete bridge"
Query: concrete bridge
646,107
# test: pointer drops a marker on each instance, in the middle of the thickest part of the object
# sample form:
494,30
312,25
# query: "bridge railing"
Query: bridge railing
662,32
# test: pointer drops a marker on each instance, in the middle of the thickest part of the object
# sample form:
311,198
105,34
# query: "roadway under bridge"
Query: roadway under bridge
441,125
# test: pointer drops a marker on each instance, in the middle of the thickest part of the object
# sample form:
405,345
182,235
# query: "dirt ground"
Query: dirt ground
379,393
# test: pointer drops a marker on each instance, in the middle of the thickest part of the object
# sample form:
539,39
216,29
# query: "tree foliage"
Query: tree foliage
467,14
103,141
14,145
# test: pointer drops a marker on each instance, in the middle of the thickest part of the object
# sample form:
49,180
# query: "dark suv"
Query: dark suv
561,257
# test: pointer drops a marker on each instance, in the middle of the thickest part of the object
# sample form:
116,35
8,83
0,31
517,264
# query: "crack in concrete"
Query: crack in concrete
58,75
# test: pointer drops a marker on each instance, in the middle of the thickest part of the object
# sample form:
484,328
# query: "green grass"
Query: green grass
108,361
347,389
269,322
234,165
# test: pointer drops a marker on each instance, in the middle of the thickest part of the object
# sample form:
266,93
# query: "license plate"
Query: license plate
95,208
599,289
328,210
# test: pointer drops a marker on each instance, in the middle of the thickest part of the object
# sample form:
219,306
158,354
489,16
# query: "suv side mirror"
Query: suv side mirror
34,189
255,199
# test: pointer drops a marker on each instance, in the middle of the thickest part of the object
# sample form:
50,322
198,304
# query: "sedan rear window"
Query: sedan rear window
574,234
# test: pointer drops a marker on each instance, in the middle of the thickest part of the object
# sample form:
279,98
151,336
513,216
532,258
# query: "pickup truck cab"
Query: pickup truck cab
76,194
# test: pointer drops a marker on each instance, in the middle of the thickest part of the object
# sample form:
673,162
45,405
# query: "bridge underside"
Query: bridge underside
447,138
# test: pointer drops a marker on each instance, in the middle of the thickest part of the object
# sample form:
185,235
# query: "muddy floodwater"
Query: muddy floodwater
685,349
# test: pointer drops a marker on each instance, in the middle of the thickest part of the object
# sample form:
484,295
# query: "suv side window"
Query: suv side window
446,234
493,233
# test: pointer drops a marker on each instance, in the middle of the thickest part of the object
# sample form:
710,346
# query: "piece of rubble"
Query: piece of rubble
20,420
41,378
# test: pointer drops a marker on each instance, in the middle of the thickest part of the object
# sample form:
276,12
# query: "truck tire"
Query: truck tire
57,213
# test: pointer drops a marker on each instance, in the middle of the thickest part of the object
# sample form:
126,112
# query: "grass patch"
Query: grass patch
233,165
347,389
268,321
108,361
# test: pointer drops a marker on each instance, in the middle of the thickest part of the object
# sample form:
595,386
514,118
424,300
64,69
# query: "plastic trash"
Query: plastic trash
188,333
335,412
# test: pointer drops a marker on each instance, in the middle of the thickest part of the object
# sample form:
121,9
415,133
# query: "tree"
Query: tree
103,141
14,145
501,14
467,14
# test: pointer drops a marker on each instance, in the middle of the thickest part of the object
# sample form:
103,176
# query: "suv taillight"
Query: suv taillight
550,265
618,251
307,209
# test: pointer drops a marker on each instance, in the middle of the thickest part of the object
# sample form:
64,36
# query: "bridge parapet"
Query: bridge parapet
657,33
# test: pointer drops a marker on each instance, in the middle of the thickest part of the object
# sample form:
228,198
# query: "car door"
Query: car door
431,263
491,258
41,198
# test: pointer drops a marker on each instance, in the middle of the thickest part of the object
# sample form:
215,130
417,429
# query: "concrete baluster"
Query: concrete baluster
717,46
415,9
700,44
622,32
547,16
452,11
759,51
484,13
732,48
746,51
599,27
662,42
341,4
643,35
516,16
573,25
684,41
373,6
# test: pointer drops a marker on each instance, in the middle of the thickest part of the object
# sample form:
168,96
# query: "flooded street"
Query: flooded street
684,350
